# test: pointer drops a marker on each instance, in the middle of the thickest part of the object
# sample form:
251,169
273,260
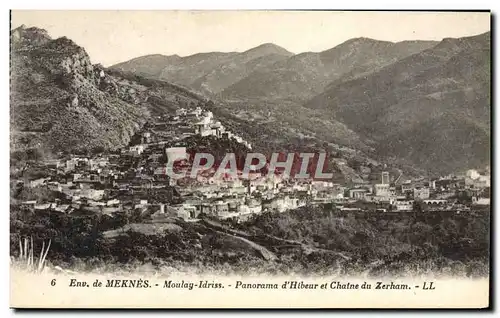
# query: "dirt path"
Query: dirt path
273,240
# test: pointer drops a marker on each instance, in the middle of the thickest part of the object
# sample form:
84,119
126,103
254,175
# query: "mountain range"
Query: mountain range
206,72
270,71
420,103
432,108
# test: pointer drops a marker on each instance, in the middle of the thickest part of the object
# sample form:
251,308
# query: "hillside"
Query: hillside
306,241
431,109
60,102
149,65
206,72
305,75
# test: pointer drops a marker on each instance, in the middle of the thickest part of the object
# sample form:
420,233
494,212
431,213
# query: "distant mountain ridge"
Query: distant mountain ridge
149,65
270,71
304,75
205,72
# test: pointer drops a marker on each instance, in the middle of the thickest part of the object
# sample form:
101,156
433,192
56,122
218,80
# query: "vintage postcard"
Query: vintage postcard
250,159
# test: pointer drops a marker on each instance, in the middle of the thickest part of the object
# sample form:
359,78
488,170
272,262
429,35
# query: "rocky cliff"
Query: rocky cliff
61,102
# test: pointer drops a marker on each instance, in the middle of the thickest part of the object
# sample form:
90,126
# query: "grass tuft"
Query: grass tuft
26,259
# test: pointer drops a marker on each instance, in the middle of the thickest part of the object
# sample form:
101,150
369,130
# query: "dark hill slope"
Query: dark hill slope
205,72
431,108
305,75
61,102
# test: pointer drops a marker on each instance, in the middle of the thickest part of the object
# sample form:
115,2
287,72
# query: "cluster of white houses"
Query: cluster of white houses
135,181
99,185
241,199
437,193
185,123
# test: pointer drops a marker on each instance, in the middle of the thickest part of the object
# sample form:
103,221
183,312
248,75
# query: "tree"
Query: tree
418,205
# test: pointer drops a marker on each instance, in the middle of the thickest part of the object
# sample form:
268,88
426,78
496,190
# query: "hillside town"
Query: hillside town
133,181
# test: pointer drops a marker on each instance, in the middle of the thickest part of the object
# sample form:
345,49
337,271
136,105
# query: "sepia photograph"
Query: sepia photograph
250,159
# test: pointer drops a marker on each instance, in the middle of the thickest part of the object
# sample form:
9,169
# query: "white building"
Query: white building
421,193
472,174
480,201
136,150
385,177
358,194
405,205
382,190
92,194
185,211
176,153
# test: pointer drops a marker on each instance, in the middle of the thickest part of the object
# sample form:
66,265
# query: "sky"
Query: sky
110,37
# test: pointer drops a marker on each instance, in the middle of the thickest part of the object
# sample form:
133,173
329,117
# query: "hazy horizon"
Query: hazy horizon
238,31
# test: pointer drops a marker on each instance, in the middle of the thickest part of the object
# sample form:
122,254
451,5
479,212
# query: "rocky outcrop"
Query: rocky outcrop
23,37
54,81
